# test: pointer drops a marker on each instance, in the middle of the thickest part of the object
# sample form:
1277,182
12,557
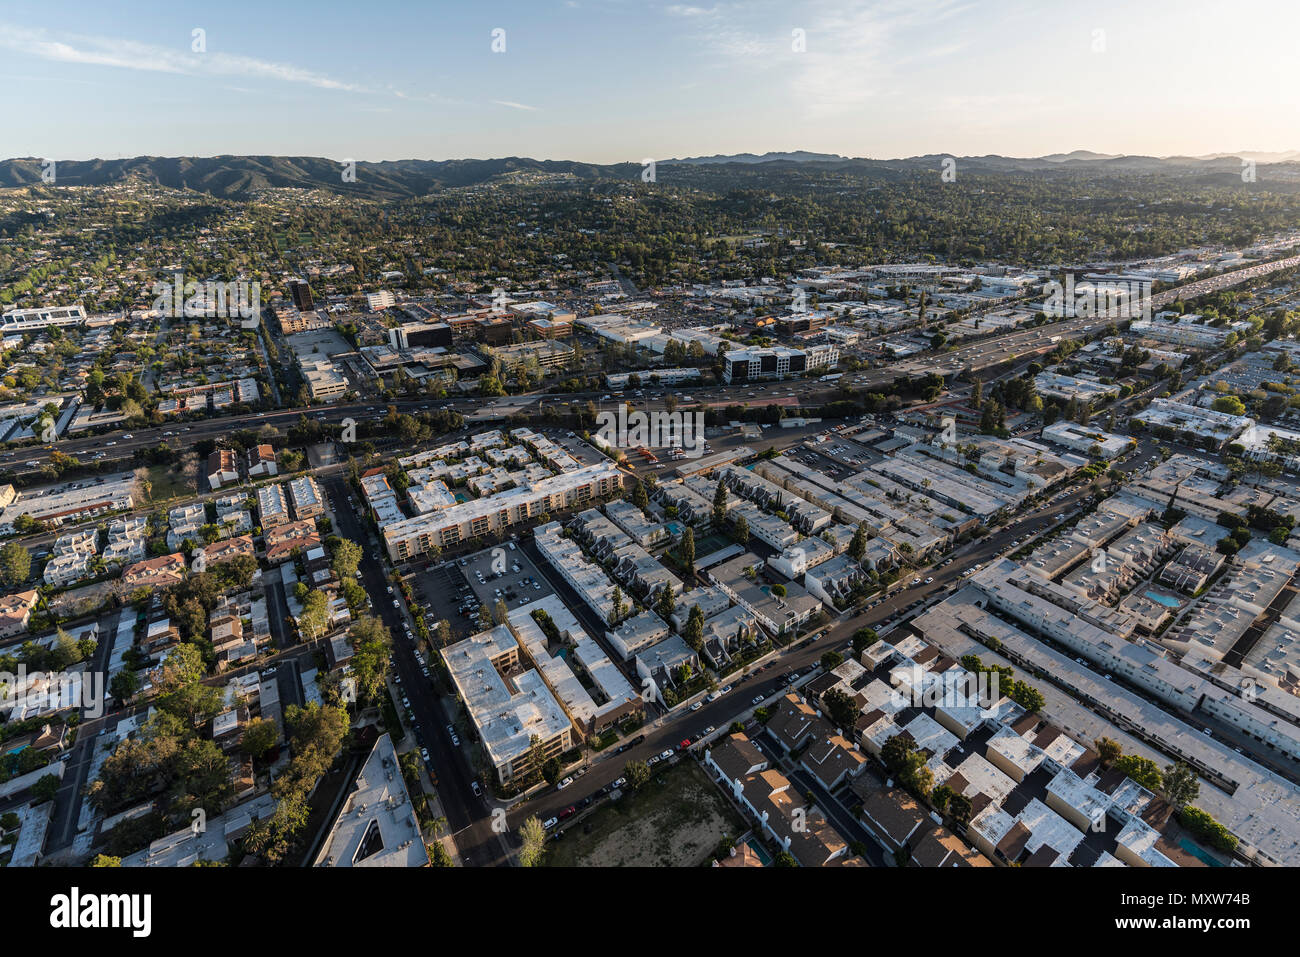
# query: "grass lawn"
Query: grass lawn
676,820
168,484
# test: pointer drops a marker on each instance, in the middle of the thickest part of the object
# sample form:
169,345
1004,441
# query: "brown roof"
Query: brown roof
736,756
1026,723
1045,856
1086,763
942,848
1014,841
928,653
957,782
895,812
1045,737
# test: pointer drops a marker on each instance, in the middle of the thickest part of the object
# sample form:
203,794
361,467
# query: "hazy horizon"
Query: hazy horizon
606,81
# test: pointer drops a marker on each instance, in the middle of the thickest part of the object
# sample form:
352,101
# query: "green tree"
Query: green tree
637,774
1182,786
1109,751
863,639
666,605
45,788
687,550
693,633
858,546
347,557
720,504
1142,770
15,564
740,531
533,838
260,736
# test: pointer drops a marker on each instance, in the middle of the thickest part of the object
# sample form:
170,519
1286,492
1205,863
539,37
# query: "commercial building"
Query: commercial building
776,362
324,382
41,317
414,334
1081,438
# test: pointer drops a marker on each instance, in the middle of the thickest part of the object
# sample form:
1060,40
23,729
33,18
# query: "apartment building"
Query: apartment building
305,494
508,702
222,468
272,506
496,513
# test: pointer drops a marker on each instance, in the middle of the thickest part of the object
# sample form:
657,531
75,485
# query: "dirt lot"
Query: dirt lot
674,821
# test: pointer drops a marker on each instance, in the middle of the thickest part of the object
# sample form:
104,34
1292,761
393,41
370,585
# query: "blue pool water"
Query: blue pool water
1190,847
1163,599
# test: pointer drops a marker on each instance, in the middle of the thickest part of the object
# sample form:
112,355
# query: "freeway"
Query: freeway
985,353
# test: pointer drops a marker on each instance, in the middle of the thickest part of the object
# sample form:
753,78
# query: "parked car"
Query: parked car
697,706
564,784
550,823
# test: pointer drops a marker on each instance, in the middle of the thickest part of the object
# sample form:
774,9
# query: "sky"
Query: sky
629,80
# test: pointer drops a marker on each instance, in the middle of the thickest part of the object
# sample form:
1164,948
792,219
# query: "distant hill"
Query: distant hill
238,177
798,156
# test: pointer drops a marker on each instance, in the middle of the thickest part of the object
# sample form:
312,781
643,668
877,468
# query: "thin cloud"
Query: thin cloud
131,55
515,106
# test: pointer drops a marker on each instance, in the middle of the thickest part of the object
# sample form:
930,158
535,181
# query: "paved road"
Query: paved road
467,816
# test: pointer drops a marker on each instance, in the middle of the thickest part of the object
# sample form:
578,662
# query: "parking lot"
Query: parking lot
454,590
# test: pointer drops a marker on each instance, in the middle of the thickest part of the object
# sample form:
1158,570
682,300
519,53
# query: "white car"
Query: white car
564,784
697,706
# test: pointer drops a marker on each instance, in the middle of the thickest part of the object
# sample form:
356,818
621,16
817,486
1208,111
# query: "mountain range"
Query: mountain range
239,177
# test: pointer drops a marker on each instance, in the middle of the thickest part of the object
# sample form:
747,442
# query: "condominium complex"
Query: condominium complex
495,513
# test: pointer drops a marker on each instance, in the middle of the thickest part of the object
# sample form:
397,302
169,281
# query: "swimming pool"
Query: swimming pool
1165,600
1188,845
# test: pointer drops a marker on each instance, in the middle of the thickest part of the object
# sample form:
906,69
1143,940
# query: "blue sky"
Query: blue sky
614,80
